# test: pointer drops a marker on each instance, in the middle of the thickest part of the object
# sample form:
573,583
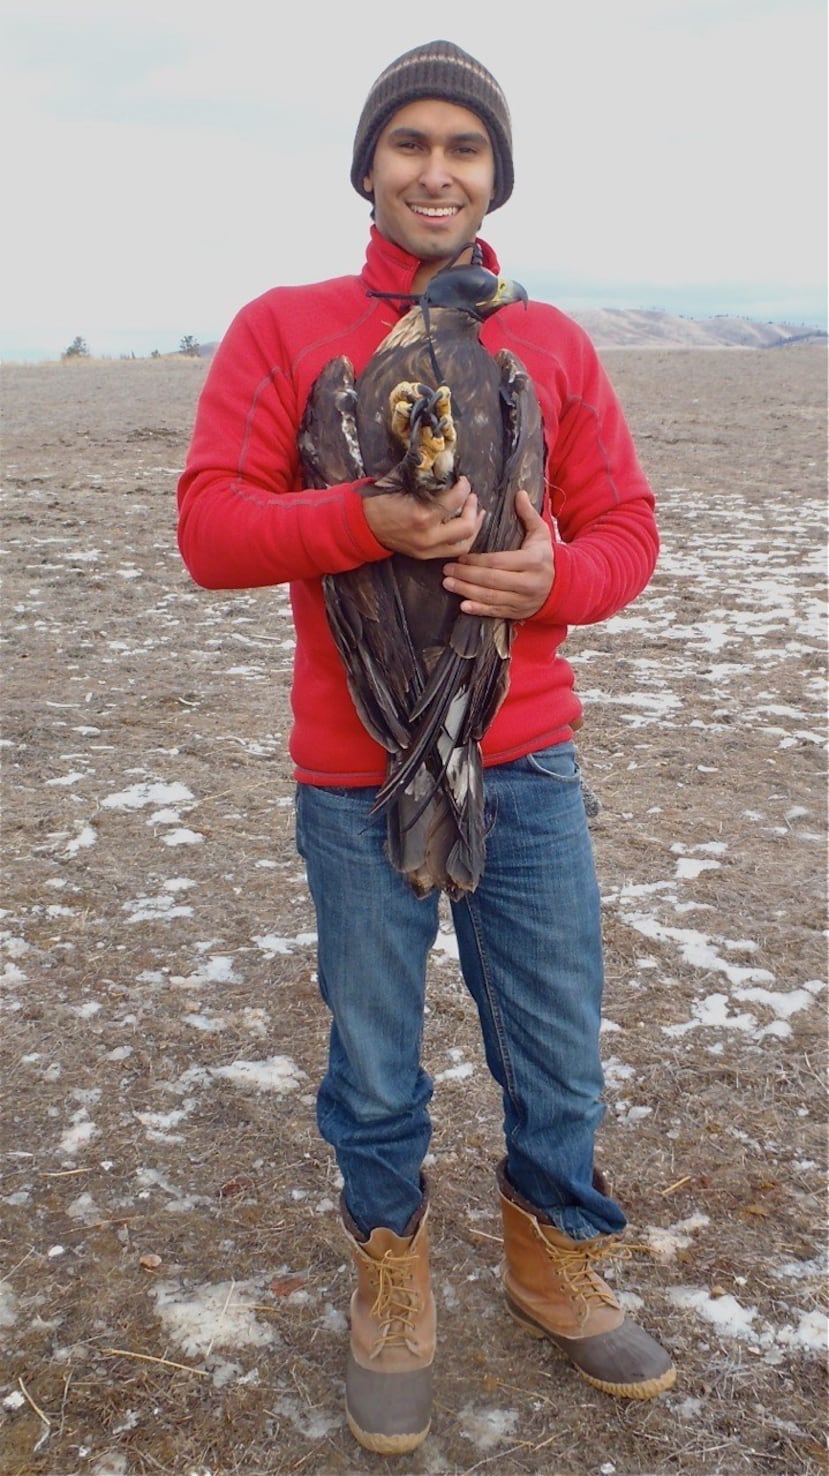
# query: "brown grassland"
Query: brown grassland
174,1281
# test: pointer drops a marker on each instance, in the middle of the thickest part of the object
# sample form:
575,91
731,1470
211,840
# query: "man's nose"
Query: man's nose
435,173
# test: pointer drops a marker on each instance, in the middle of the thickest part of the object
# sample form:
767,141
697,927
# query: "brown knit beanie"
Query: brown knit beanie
438,69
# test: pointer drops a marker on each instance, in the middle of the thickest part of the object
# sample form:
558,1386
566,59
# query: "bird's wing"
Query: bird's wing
363,605
328,443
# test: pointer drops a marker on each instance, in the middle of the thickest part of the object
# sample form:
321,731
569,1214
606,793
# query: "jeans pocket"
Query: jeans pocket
558,763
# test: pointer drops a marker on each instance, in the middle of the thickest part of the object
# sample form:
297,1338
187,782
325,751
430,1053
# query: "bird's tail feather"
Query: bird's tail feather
435,833
425,734
474,706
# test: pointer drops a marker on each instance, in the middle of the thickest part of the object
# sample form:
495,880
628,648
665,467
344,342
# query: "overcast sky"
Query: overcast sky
168,160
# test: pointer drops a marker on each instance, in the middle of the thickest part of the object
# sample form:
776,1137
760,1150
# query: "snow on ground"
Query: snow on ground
157,955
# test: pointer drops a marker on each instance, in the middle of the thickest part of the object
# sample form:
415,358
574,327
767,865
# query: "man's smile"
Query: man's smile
435,211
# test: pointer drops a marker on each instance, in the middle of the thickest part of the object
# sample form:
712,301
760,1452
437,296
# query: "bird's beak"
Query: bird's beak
505,293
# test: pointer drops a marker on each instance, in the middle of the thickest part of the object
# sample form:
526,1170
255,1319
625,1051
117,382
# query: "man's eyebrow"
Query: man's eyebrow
472,136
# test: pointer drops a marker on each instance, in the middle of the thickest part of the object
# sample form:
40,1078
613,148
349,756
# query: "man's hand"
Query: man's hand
511,585
444,528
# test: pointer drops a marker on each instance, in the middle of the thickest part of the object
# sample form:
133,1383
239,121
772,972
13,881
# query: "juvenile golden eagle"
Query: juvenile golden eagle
426,678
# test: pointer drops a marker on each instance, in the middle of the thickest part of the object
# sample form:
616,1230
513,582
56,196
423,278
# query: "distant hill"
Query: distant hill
648,328
651,328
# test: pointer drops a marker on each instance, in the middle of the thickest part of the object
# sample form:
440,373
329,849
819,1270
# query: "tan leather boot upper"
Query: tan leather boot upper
554,1277
389,1373
392,1309
553,1290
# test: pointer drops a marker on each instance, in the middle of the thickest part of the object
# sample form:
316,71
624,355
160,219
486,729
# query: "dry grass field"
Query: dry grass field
175,1284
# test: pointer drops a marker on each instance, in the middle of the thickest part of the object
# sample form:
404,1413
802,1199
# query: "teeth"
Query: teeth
435,210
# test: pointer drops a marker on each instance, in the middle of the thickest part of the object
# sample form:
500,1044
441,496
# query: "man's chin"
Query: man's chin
430,248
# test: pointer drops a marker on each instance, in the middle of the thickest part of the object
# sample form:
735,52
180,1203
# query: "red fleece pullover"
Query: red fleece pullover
244,520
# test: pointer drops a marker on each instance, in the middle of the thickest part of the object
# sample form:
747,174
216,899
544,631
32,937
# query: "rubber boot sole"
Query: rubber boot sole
386,1444
645,1389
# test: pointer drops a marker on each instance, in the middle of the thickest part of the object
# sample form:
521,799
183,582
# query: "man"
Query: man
433,154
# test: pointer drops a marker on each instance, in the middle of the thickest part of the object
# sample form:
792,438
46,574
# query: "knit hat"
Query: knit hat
438,69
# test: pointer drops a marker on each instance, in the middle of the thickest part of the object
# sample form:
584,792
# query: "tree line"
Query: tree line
79,349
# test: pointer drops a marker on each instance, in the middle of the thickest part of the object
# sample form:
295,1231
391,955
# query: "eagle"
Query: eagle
427,679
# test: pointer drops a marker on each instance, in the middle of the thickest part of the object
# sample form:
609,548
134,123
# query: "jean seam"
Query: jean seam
500,1032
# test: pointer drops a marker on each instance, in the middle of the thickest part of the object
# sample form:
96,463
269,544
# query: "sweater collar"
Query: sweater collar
388,268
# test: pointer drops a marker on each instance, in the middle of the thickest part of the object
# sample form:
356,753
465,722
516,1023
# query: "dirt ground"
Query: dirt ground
175,1282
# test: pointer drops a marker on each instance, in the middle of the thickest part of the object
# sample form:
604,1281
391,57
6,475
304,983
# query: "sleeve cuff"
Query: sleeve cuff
367,549
550,611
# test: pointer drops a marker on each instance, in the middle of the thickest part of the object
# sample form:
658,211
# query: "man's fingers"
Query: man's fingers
455,500
463,579
525,510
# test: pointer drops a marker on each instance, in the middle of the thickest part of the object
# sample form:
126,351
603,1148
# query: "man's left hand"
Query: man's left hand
512,585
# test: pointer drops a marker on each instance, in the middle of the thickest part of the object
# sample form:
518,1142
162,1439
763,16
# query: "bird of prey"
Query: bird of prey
431,405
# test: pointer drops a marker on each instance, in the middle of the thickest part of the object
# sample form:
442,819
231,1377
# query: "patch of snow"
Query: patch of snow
733,1320
689,1409
217,1314
333,1320
276,1074
149,793
211,1025
154,909
8,1305
272,945
84,1208
78,1135
696,949
616,1071
782,1004
445,946
487,1428
310,1422
811,1333
631,1115
665,1243
713,1012
85,838
688,869
456,1073
800,1270
86,1011
14,947
182,837
162,1121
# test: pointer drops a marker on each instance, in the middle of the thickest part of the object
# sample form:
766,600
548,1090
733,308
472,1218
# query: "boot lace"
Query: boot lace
396,1304
576,1265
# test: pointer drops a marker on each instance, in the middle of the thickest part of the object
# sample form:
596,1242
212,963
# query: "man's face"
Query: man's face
432,176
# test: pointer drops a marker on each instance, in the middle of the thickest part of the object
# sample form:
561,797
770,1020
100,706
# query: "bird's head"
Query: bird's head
471,289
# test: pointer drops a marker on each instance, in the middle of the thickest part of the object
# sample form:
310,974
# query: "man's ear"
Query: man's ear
368,183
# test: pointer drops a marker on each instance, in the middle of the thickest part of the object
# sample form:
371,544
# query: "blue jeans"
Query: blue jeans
529,940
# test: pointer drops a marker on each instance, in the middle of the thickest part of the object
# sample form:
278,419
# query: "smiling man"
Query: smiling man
433,155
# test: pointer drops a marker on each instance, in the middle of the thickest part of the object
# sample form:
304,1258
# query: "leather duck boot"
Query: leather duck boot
553,1291
388,1387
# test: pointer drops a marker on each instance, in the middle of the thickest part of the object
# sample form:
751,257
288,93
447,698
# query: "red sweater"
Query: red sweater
245,521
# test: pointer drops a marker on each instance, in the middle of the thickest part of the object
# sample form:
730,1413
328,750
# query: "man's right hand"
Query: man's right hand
441,528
